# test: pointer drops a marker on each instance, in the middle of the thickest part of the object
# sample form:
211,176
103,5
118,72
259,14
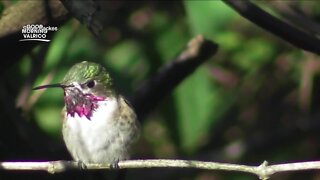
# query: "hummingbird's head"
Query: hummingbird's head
84,85
89,78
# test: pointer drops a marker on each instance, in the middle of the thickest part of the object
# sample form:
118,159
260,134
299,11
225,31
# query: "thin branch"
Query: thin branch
274,25
197,51
263,171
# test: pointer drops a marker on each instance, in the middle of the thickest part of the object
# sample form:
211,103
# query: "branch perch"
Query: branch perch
263,171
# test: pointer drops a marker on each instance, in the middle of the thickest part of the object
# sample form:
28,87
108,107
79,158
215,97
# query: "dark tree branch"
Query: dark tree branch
151,93
277,27
295,15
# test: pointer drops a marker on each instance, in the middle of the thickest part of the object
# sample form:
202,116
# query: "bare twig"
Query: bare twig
197,51
263,171
274,25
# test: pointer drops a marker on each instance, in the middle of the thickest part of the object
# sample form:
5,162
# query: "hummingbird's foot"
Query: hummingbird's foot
115,165
82,165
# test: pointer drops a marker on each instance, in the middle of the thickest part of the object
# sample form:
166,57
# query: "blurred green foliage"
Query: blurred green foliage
255,82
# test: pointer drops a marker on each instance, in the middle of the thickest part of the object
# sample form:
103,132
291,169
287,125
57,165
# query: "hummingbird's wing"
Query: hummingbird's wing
128,116
63,113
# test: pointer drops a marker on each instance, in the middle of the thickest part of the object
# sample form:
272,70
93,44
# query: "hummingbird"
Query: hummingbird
99,125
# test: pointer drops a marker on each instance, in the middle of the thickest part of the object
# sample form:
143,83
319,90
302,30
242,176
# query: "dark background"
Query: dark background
256,99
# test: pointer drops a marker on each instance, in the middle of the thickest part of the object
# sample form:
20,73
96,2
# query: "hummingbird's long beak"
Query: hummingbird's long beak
49,86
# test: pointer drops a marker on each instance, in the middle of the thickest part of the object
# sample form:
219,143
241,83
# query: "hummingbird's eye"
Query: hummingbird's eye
91,84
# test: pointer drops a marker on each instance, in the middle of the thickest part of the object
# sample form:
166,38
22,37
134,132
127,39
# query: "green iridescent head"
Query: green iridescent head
88,77
85,71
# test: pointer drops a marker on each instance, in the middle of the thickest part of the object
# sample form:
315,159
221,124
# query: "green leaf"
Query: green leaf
255,53
198,102
123,56
123,61
208,17
199,105
57,48
49,119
